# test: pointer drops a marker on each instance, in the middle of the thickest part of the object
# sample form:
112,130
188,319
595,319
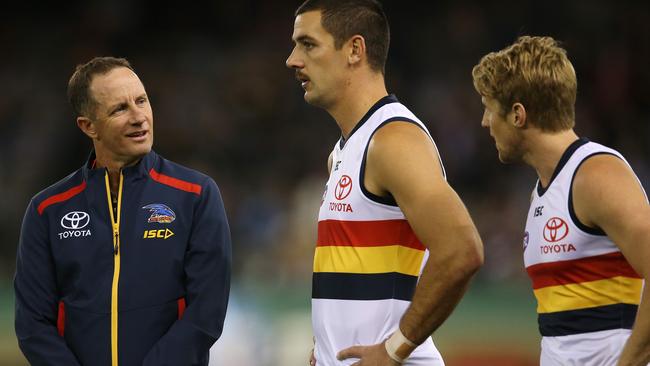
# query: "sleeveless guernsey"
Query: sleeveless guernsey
367,260
587,293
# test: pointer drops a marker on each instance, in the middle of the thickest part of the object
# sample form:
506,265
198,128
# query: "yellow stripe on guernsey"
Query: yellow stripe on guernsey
115,221
381,259
582,295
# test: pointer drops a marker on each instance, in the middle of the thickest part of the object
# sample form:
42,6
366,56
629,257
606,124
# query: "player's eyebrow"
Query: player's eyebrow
304,38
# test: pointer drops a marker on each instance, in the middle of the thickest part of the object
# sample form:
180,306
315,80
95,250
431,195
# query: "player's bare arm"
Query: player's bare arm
403,161
626,220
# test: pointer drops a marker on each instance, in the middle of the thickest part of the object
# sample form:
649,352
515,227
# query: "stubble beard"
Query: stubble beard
514,154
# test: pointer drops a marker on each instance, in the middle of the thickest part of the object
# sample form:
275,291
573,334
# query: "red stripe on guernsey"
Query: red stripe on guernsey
61,197
174,182
181,307
594,268
367,234
60,319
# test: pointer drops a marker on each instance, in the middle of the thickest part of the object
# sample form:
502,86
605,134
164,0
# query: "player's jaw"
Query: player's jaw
510,150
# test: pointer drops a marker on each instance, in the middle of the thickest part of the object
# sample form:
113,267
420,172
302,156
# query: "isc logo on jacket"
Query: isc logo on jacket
158,234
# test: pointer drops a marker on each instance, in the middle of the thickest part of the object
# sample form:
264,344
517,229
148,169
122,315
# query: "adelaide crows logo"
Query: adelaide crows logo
160,213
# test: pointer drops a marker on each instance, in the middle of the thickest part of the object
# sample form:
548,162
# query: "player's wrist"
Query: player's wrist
399,347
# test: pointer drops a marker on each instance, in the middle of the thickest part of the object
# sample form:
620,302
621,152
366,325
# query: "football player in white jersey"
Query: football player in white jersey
587,240
340,48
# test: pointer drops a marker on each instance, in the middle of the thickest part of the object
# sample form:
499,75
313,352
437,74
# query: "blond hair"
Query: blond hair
535,72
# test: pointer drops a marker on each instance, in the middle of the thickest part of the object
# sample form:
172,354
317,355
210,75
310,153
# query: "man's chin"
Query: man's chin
316,100
509,159
309,98
136,153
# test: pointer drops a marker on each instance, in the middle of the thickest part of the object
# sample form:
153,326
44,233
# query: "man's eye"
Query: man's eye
118,109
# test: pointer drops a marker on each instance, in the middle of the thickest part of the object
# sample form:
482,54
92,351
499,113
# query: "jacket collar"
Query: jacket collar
140,169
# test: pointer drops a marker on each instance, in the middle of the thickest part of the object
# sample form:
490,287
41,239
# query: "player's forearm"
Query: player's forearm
637,349
443,282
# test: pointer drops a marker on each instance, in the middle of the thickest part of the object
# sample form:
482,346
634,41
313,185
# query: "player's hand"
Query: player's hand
374,355
312,359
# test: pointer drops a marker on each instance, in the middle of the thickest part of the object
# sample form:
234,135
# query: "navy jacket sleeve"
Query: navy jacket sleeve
37,296
207,270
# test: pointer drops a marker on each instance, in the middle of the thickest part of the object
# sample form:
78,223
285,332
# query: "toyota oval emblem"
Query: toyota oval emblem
75,220
343,188
555,230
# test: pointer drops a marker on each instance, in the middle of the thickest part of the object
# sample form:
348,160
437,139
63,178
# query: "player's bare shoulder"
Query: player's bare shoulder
402,144
400,155
605,177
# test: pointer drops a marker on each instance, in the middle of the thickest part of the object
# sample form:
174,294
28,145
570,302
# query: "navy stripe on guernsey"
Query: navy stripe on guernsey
352,286
595,319
572,212
563,160
380,103
387,200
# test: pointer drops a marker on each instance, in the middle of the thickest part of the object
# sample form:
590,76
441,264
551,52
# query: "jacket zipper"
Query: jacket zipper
115,222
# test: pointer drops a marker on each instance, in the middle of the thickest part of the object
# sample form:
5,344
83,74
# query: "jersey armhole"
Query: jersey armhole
386,200
572,213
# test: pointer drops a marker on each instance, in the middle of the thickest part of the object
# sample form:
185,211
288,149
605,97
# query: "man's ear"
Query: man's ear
519,112
87,126
357,47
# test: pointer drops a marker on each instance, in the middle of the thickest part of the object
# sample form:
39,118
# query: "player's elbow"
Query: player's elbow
470,257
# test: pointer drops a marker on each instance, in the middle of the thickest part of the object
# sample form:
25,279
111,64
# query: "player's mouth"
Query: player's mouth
138,136
304,80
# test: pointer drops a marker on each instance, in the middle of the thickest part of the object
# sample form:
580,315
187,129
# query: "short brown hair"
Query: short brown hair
535,72
79,94
346,18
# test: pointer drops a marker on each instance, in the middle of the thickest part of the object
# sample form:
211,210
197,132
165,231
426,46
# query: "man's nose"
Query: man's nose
138,115
292,61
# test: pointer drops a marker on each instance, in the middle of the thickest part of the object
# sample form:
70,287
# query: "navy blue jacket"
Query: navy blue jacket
147,287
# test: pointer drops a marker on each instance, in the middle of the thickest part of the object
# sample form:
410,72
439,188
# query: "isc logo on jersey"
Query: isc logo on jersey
75,222
555,230
342,190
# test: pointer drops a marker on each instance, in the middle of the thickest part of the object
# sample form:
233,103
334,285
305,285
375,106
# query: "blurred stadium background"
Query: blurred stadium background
225,104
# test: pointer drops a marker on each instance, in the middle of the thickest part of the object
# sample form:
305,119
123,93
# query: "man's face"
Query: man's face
122,117
507,138
318,64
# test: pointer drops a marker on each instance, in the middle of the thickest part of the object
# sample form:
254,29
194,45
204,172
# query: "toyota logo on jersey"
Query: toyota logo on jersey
75,220
343,188
555,230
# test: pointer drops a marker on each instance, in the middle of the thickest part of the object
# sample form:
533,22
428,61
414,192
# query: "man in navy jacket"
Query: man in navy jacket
127,260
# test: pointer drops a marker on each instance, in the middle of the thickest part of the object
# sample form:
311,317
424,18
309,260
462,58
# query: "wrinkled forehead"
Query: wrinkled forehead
118,83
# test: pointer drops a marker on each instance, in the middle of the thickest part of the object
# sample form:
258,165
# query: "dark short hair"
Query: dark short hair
79,95
346,18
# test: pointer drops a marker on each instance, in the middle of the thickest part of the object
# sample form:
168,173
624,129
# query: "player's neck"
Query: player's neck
546,150
355,101
113,165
